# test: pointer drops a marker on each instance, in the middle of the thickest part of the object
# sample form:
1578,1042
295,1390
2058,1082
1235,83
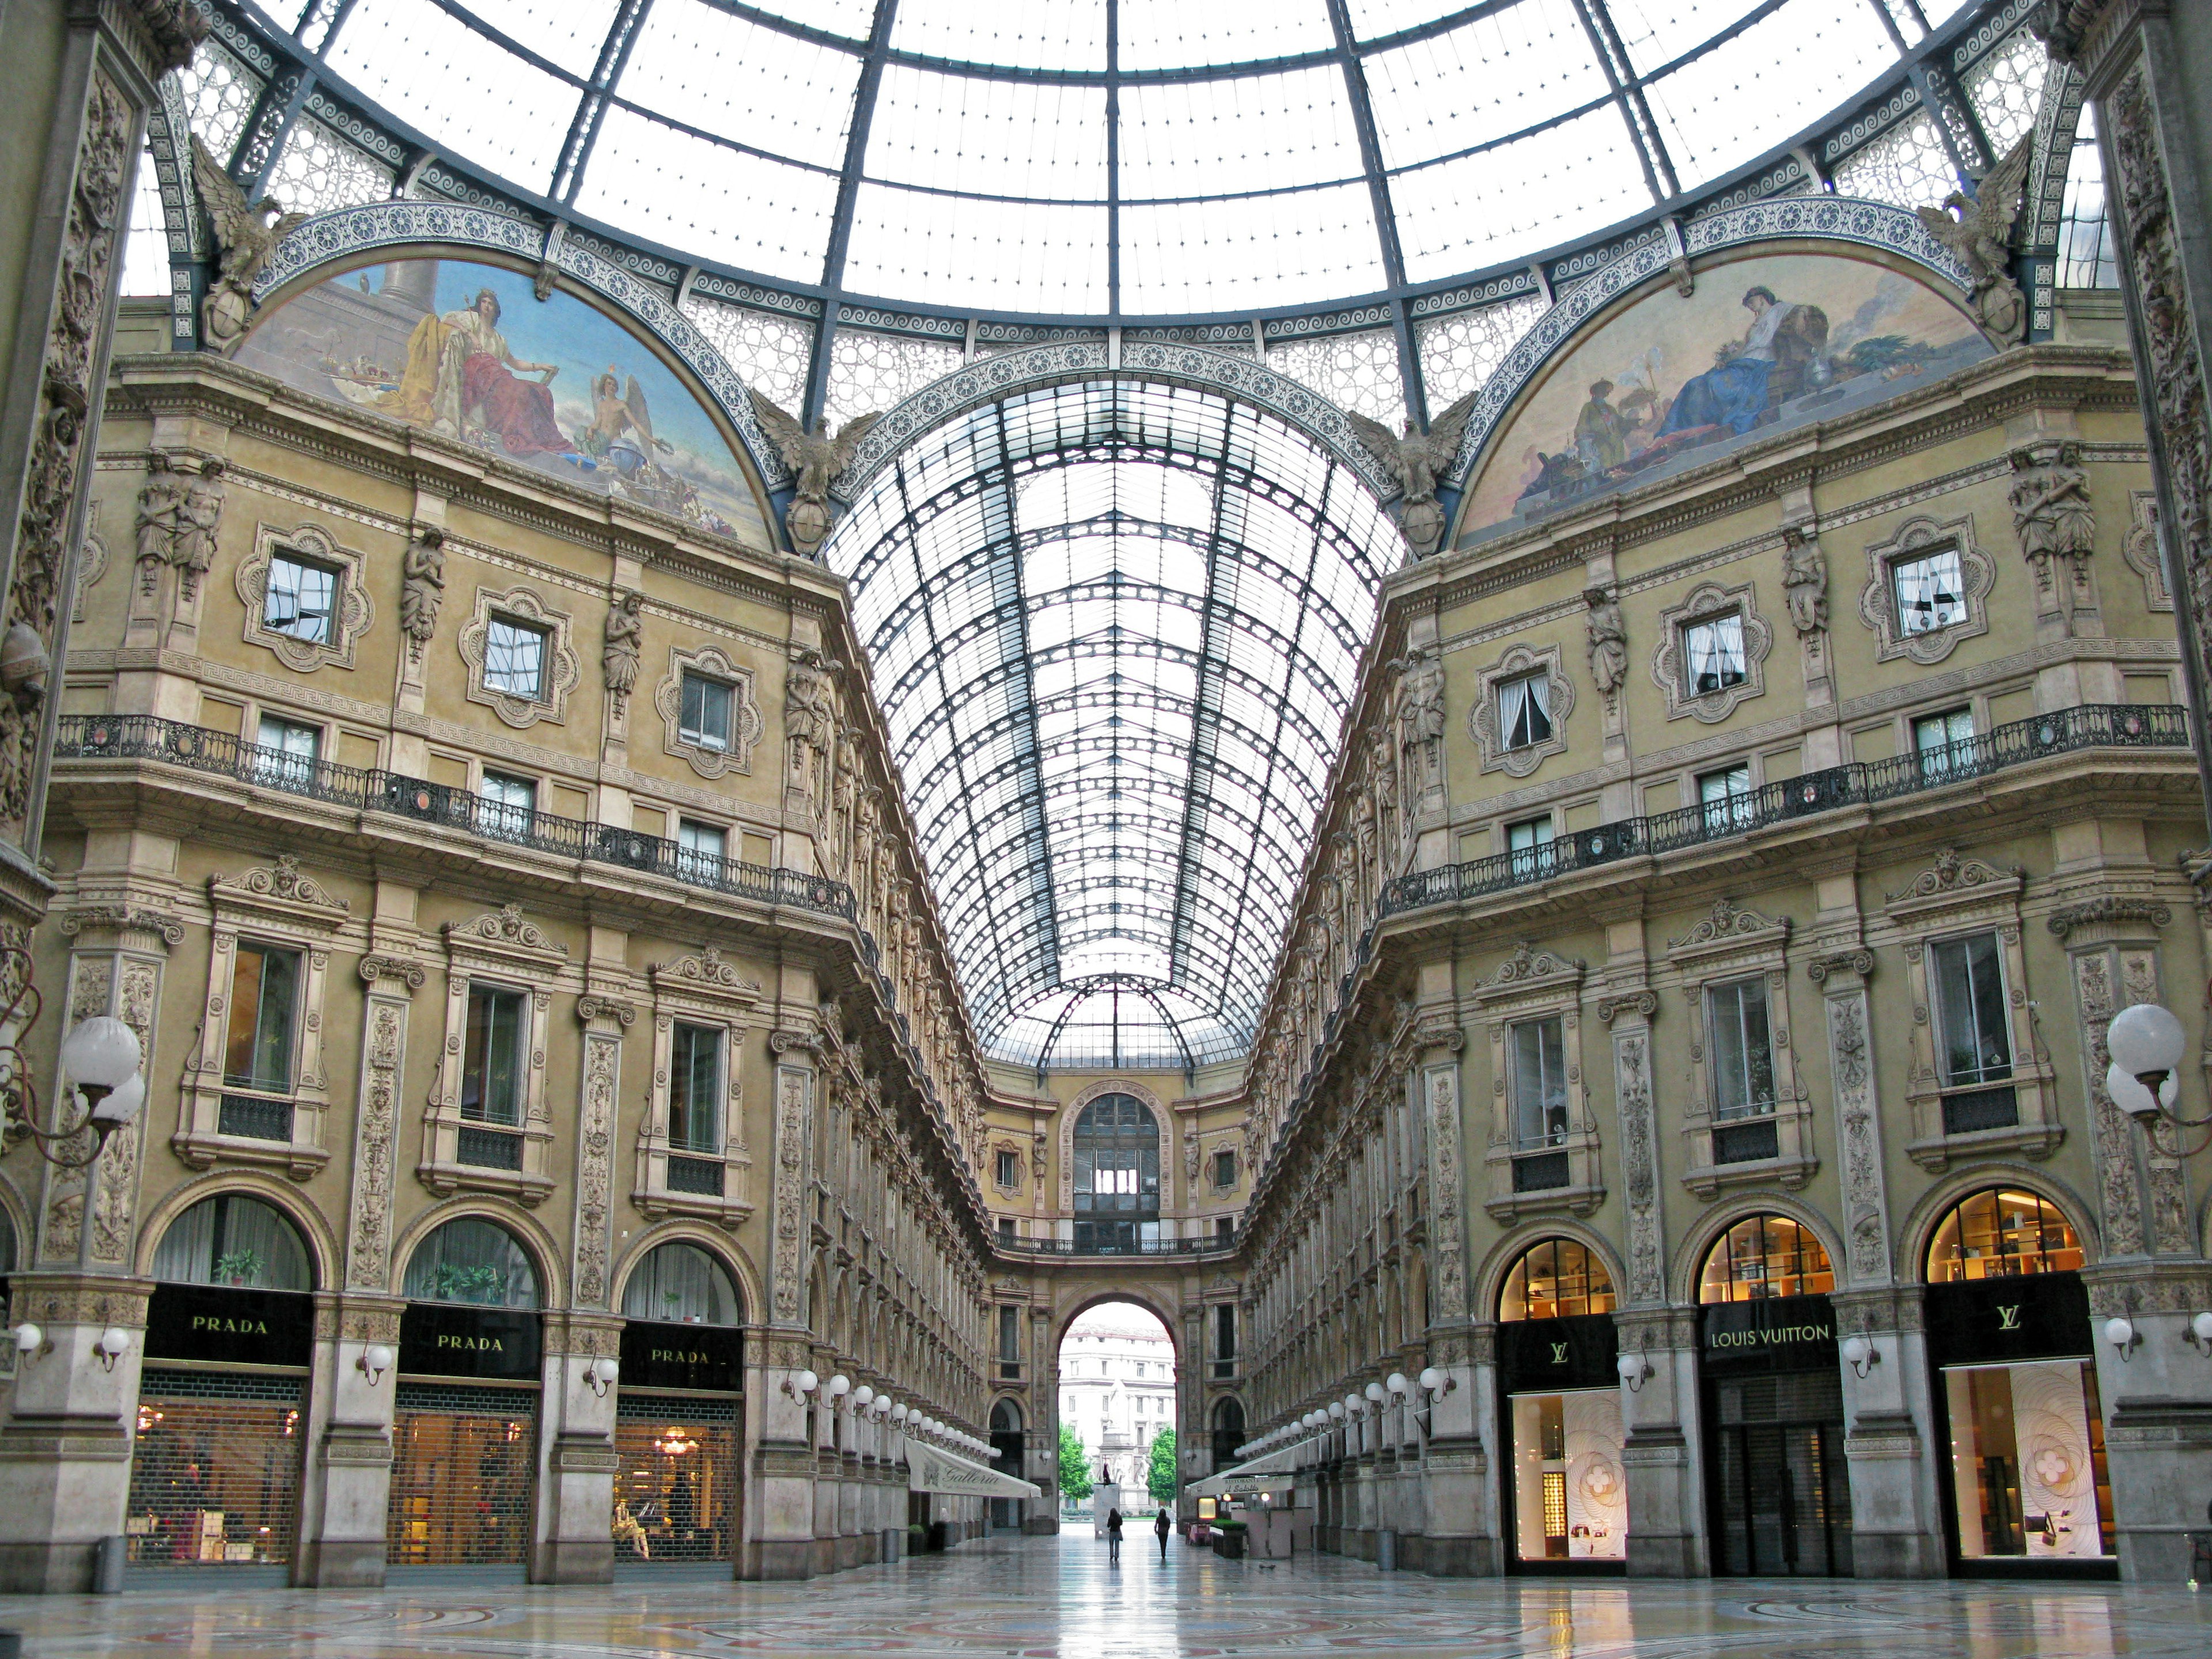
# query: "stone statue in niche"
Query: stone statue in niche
1414,460
198,520
160,504
810,721
1421,716
816,459
625,628
422,587
1980,238
1609,640
245,238
2052,517
1805,578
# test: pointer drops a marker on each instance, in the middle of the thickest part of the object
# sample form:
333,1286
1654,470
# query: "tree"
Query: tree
1160,1480
1074,1466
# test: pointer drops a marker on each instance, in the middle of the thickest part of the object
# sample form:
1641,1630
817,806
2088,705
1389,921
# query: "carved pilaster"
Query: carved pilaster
392,983
1639,1152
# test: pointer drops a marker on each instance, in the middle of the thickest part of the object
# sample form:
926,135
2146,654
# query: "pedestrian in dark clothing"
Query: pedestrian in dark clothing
1160,1526
1114,1538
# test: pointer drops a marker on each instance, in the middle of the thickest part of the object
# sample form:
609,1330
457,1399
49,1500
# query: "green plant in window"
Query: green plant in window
238,1268
484,1283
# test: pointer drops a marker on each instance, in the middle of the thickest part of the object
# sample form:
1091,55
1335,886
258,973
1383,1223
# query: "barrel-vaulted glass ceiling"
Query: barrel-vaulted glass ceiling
1114,627
1114,157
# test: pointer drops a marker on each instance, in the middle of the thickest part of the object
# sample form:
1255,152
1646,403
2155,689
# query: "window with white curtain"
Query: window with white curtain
1524,710
1931,592
1713,649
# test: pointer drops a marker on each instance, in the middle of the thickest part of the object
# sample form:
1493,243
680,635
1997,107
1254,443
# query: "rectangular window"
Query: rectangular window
1010,1335
1944,743
1539,1064
694,1089
1224,1228
508,803
700,849
1524,839
264,999
301,599
1974,1035
1727,799
289,749
1743,1053
491,1063
1225,1168
1225,1332
1010,1168
515,659
1712,655
1930,593
706,713
1005,1227
1524,710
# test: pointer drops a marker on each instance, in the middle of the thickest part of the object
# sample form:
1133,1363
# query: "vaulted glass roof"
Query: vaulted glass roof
1108,157
1114,627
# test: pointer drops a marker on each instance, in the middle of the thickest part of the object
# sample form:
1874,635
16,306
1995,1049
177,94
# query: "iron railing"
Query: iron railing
2093,725
144,737
1214,1244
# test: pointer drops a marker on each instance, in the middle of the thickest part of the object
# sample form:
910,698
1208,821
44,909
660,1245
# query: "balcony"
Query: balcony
1215,1244
1859,783
173,743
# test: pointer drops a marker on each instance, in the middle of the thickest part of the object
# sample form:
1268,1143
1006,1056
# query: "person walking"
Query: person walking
1113,1537
1160,1526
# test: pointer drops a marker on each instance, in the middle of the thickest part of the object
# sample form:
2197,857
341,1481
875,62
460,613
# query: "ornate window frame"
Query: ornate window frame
1482,719
1954,897
1708,602
1006,1147
746,722
2139,548
354,614
1535,984
563,670
501,947
1731,945
699,990
1916,536
286,908
1163,1119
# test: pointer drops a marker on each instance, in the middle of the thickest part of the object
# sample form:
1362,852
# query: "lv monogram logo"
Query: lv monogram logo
2009,1318
1559,1354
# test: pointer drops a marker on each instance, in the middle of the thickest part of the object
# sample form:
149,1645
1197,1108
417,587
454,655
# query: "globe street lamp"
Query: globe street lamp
2146,1043
99,1058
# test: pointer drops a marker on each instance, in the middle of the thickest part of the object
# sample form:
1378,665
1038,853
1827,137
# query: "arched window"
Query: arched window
1764,1255
1556,1279
2001,1232
1005,1418
473,1260
680,1284
237,1242
1228,1431
1117,1173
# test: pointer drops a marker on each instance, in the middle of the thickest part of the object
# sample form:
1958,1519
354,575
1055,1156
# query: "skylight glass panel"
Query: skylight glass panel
989,136
475,99
997,256
738,79
1250,252
1753,92
1371,18
850,18
568,33
1509,203
702,198
1497,76
1658,32
1220,137
1176,34
1065,34
146,253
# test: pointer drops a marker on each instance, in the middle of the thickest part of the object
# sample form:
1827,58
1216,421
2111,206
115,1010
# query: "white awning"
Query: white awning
931,1468
1277,1466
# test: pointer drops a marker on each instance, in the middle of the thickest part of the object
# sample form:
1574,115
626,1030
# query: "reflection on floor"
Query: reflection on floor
1057,1599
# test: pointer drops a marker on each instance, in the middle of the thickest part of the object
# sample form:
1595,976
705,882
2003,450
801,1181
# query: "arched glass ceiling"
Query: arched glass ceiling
1114,627
1108,157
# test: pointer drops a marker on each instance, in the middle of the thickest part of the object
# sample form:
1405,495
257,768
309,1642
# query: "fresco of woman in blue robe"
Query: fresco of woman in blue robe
1738,392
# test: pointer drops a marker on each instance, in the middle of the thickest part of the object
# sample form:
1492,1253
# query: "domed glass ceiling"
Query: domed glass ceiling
1108,157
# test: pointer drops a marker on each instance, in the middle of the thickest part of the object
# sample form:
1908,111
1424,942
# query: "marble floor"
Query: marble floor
1057,1599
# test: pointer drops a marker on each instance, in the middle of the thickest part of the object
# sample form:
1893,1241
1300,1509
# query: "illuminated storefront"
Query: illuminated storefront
678,1421
1565,1492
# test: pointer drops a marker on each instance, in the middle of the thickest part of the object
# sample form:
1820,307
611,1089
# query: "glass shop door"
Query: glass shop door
1781,1502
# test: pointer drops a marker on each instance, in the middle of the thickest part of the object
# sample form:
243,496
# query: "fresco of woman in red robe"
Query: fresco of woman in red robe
461,379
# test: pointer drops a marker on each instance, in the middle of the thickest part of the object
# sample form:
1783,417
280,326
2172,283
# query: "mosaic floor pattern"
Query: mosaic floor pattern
1057,1599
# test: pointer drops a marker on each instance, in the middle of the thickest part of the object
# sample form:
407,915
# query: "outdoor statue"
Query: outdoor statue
246,237
1414,460
816,461
2051,515
1805,578
161,501
423,585
1980,238
618,661
1609,640
198,520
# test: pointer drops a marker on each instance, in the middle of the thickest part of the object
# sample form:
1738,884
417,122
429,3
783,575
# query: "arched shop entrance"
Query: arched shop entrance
679,1412
1008,1443
465,1428
216,1460
1778,1496
2014,1381
1566,1490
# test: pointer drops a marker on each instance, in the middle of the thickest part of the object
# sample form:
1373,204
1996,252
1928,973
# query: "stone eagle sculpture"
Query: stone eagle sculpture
816,459
1980,237
245,238
1414,460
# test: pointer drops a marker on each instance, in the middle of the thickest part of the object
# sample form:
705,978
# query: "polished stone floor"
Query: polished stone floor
1057,1599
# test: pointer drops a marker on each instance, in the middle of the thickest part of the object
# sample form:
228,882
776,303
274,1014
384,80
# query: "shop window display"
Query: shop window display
1566,1484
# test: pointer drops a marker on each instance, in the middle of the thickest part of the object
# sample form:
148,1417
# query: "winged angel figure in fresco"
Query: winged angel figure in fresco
1414,460
816,459
247,236
1980,236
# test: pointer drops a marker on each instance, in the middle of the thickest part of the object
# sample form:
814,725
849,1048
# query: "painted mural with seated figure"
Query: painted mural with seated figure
1670,382
469,351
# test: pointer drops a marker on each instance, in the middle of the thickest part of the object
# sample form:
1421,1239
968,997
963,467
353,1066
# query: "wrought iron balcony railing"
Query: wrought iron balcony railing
1212,1245
143,737
2092,726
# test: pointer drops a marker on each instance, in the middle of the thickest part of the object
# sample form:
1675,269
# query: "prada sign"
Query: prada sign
244,1327
1779,1333
438,1339
1544,1355
705,1358
2032,1317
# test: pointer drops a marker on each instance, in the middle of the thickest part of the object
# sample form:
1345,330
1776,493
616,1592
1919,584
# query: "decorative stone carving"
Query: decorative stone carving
352,613
1414,461
404,969
2119,1196
1670,669
809,724
595,1165
161,505
1950,874
421,589
817,460
2140,548
1420,688
368,1227
1866,1204
283,880
595,1005
2107,909
1919,537
794,1091
1608,640
118,918
706,970
1527,964
1448,1229
1725,919
558,674
746,723
507,926
1980,238
1639,1161
1483,719
1804,579
1858,961
244,237
1642,1003
199,521
625,629
2055,523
